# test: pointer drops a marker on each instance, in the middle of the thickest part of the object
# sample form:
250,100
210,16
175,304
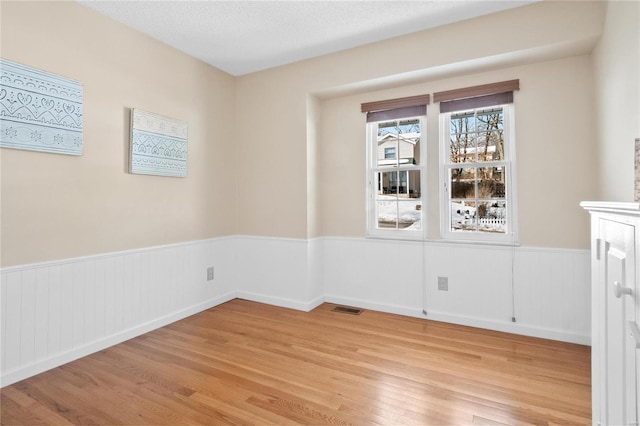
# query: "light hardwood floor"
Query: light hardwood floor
248,363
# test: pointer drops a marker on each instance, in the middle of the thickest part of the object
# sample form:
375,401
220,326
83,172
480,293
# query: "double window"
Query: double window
477,191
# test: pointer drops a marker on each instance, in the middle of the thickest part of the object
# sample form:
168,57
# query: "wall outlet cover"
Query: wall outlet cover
443,283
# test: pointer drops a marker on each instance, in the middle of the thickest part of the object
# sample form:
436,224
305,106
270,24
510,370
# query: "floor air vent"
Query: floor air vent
345,310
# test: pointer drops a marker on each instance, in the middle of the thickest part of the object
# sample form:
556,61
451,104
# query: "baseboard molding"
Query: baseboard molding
506,327
57,360
281,301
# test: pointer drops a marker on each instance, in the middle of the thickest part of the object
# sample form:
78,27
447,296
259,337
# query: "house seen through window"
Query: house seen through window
477,196
395,168
396,174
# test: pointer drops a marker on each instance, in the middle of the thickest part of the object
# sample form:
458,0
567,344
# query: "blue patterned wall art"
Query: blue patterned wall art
158,145
39,111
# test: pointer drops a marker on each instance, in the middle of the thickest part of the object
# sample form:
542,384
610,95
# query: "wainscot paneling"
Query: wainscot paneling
55,312
279,271
545,290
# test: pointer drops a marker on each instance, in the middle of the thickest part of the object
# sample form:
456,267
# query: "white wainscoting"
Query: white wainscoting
549,298
55,312
279,271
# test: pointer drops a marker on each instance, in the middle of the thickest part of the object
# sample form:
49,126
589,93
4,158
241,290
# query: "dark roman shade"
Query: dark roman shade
477,96
392,109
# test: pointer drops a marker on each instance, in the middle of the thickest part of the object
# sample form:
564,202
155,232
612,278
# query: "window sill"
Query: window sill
453,241
504,243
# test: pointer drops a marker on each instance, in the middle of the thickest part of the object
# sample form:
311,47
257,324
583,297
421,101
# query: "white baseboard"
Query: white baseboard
506,327
281,301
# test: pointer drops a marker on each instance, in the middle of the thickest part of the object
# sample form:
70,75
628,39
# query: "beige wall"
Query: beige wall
59,206
262,159
617,73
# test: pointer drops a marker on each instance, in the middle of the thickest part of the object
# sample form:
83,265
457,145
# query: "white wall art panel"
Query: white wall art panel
158,145
55,312
39,111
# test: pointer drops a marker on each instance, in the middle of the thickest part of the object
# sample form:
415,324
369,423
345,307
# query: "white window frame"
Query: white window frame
372,168
511,236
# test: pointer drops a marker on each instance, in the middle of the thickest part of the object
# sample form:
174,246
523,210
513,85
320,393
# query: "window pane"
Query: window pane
409,146
491,182
492,216
491,119
402,184
413,184
386,128
410,214
463,216
462,138
403,214
491,146
462,148
387,144
463,122
387,184
398,142
387,149
463,183
409,125
387,214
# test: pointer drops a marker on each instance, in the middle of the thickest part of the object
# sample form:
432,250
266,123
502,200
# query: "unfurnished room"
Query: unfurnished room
319,212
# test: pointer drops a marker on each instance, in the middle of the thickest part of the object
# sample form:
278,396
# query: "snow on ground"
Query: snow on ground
462,216
388,209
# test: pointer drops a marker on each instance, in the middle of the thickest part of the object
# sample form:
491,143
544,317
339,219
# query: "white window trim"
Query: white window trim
372,230
511,236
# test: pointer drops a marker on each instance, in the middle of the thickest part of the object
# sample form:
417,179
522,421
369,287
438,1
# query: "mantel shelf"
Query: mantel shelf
627,208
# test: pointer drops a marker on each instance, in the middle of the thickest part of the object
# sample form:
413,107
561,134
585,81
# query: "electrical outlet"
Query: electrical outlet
210,273
443,283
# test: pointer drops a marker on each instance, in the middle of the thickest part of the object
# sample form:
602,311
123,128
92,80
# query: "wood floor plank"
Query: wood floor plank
245,363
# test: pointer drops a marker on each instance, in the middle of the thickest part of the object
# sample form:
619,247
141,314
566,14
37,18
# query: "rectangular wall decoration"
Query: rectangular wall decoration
158,145
39,111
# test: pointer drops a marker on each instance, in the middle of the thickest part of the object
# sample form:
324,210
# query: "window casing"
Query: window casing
395,177
477,170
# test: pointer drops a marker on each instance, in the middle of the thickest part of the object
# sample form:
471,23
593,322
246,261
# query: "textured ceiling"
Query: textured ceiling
241,37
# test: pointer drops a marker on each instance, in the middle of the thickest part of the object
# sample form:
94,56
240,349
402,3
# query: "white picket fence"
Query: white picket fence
492,221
